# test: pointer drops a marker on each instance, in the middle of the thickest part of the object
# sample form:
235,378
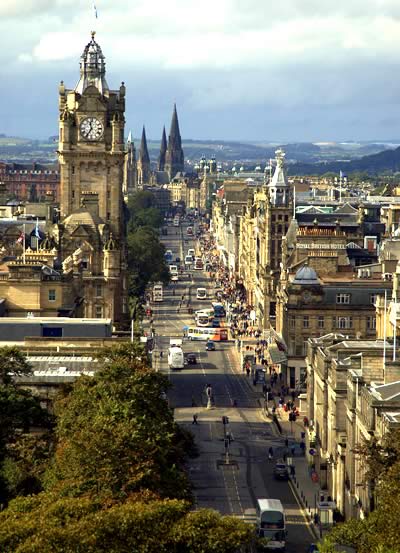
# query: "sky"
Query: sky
255,70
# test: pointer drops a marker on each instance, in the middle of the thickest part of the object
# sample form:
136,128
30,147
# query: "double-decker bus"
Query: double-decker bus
271,523
201,294
203,319
219,309
214,334
158,292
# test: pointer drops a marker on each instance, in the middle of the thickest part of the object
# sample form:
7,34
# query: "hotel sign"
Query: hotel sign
319,246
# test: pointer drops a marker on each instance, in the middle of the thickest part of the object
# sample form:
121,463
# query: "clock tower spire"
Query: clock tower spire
91,155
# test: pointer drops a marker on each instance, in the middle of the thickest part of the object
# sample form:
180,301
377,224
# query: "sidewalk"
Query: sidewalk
304,488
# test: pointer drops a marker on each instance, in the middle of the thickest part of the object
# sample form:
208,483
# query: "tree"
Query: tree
146,261
49,524
141,200
13,362
380,528
25,463
116,436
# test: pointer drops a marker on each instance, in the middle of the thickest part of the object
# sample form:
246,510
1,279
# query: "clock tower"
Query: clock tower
91,154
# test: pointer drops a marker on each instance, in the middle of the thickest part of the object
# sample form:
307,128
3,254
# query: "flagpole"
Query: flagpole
23,255
384,332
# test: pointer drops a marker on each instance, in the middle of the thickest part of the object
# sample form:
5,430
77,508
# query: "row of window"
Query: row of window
98,290
345,299
338,322
280,217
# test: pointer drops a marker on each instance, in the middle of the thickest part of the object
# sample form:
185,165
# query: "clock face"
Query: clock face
91,128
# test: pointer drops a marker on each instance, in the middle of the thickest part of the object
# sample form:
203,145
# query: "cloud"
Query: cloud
295,56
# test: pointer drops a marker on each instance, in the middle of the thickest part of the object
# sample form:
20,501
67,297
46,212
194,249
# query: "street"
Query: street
225,477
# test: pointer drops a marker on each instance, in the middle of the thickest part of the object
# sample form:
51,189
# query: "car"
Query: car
313,548
210,346
174,278
280,470
177,259
191,359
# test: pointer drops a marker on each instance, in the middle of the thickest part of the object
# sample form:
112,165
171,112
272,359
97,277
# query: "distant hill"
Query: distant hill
389,160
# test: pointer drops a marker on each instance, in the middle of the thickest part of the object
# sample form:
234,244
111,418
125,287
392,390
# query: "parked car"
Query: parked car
210,346
281,471
191,359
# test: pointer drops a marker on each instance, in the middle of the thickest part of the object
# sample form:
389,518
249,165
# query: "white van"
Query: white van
175,354
201,294
188,260
173,270
191,252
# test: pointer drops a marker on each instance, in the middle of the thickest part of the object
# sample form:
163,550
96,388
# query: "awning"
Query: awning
277,356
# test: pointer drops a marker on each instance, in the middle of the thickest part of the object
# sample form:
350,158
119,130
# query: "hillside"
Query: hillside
388,160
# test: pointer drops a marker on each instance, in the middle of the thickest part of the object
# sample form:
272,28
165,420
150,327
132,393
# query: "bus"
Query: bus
198,264
219,309
215,334
203,319
271,523
175,354
158,292
201,294
168,256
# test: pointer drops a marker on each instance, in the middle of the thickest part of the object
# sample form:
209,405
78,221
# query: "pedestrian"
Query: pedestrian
194,421
248,371
293,395
270,453
305,422
286,442
161,354
293,450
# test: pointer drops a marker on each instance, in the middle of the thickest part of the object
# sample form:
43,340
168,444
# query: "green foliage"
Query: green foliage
25,463
143,211
379,530
116,435
19,411
47,524
146,261
13,362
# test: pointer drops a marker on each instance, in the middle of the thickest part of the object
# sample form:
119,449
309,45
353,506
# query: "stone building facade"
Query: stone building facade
352,395
91,233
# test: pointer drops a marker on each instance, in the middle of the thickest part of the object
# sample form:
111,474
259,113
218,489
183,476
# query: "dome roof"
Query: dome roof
82,217
306,275
92,68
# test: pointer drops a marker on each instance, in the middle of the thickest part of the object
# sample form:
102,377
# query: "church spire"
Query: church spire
144,152
143,164
174,134
174,158
163,151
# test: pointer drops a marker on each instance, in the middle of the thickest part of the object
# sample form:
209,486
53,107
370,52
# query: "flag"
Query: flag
37,233
95,11
20,238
